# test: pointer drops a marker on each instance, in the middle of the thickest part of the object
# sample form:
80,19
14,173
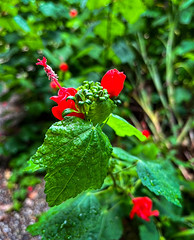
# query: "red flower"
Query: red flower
63,93
63,67
113,81
146,133
64,104
53,85
73,13
143,208
30,188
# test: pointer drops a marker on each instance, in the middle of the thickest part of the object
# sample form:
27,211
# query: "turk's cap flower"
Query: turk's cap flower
62,106
73,13
143,208
146,133
63,67
64,103
63,93
113,81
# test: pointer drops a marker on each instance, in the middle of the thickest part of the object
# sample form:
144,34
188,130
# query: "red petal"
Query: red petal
155,213
113,81
57,112
132,213
56,99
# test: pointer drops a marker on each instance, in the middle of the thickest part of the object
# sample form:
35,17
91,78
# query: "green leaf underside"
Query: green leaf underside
123,155
80,218
148,231
160,179
75,155
122,128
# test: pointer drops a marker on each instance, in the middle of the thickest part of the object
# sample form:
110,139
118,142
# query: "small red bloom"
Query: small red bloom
146,133
30,188
113,81
143,208
4,104
64,104
53,85
63,67
73,13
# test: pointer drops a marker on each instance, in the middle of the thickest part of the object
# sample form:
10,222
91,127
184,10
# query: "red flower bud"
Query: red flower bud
143,208
64,104
63,67
146,133
113,81
53,85
73,13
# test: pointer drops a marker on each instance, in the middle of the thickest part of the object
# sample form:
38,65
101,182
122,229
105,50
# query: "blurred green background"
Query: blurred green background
150,41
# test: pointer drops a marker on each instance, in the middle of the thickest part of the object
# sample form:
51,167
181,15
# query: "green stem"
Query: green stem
115,184
124,169
105,122
152,70
108,31
137,183
113,178
189,124
169,63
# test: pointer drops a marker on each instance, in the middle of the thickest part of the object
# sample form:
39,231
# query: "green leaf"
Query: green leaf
186,16
110,225
148,231
32,167
123,155
75,155
116,28
131,10
184,47
122,128
168,209
185,4
54,10
80,218
160,179
185,233
124,52
91,4
182,95
72,218
22,23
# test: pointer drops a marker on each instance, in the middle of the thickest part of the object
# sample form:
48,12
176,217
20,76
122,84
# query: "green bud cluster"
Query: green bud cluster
89,93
